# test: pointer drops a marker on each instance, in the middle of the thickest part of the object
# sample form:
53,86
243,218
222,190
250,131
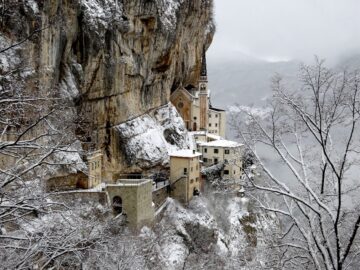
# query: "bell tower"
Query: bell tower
203,94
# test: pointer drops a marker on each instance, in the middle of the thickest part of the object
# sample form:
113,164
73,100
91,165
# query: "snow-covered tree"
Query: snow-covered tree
35,139
306,150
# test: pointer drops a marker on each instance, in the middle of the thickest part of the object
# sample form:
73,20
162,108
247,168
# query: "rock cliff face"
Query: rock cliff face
115,59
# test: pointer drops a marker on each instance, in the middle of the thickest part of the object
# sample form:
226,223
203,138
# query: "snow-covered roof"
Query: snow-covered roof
186,153
213,136
198,133
221,143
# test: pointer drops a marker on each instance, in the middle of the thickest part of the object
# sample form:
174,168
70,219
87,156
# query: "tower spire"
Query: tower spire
203,64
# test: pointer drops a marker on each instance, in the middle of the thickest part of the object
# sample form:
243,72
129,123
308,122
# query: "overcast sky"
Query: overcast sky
287,29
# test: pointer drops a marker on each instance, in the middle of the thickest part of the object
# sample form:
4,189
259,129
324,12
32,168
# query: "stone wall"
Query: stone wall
74,198
68,182
160,195
179,190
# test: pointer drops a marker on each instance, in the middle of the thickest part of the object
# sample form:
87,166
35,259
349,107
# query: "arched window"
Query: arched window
117,204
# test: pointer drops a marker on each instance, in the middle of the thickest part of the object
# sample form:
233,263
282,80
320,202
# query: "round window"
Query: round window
180,105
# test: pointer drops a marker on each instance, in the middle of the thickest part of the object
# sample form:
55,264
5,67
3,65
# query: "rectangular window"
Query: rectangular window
205,150
209,124
192,169
216,115
197,179
205,159
209,115
216,151
227,151
192,181
234,172
215,125
185,170
226,171
197,167
215,160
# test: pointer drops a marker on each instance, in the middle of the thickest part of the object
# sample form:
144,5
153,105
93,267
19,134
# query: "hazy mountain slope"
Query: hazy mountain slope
245,81
349,62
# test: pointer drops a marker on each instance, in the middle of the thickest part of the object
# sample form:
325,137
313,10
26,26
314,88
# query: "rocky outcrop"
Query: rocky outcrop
115,59
147,141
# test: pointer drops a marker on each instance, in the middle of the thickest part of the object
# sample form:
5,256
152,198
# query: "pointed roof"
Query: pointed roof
182,90
203,64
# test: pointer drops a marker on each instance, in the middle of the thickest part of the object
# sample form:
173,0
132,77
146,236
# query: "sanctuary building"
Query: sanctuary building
194,106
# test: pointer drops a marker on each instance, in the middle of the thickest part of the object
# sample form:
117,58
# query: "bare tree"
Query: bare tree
36,130
307,150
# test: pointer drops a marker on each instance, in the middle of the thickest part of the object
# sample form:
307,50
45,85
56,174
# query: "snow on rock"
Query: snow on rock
68,86
235,234
68,162
9,59
194,230
190,228
32,5
210,231
148,140
99,13
167,11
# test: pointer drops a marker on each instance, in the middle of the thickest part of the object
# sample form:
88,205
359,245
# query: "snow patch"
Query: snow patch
33,6
167,11
9,59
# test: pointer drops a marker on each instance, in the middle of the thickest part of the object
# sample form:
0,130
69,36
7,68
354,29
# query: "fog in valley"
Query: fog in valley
256,39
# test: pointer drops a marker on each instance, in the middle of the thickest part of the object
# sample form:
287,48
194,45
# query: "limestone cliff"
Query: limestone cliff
115,59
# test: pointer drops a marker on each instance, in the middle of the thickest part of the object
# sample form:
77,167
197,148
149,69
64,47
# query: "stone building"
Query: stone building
193,104
228,152
96,168
133,198
217,122
185,180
